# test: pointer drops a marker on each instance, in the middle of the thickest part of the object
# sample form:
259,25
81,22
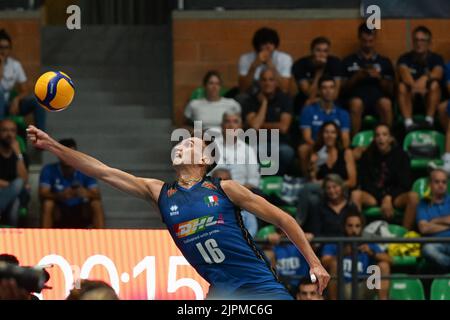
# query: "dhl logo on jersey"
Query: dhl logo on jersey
193,226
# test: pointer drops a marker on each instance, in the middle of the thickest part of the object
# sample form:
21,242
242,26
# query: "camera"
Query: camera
29,278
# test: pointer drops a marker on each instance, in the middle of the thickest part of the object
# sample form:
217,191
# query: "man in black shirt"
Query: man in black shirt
272,109
369,81
13,173
308,70
420,73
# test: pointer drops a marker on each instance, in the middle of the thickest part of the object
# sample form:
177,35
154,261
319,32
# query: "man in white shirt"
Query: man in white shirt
265,42
12,76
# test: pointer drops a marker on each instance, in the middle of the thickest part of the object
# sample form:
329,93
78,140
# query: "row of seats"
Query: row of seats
412,289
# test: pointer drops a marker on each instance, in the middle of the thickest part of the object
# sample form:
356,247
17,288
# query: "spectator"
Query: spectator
250,221
420,72
385,179
370,81
308,290
93,290
444,114
315,115
265,55
12,75
69,199
433,220
236,155
329,157
272,109
210,109
13,174
368,254
308,70
328,219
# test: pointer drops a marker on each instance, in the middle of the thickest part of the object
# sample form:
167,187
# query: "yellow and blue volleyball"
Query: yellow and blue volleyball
54,91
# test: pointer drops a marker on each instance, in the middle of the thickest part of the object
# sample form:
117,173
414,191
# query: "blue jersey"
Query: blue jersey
208,229
290,262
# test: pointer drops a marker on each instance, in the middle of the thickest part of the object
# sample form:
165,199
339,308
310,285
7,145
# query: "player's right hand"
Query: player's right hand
38,138
321,275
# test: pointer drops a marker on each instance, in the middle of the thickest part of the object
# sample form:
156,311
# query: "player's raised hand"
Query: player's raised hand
321,275
39,138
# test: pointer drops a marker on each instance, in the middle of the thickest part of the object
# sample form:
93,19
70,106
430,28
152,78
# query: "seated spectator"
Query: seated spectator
237,156
265,55
308,290
420,71
250,221
327,220
369,82
69,199
329,157
13,76
93,290
13,174
385,178
308,70
272,109
444,114
314,116
368,254
433,220
210,109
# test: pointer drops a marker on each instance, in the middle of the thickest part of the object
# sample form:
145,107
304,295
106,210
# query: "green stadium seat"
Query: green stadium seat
425,136
440,289
369,121
406,289
421,187
362,139
264,232
199,93
398,231
19,121
271,185
375,212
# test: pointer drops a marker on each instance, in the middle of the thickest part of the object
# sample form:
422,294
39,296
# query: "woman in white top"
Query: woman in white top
209,110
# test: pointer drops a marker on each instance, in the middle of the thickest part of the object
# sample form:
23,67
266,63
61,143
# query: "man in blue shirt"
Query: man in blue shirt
368,254
433,219
315,115
69,198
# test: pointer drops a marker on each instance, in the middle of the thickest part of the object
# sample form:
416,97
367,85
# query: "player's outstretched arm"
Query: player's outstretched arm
148,189
253,203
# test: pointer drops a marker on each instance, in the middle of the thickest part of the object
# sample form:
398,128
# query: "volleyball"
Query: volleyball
54,91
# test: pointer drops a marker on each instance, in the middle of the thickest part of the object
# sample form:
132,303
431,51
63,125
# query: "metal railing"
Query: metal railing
354,242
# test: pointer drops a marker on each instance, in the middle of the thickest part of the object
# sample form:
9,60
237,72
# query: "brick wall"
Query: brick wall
200,45
26,37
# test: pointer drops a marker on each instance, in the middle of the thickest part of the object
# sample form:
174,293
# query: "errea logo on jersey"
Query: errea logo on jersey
174,210
191,227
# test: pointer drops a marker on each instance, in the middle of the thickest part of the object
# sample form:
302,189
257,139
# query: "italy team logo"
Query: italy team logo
211,201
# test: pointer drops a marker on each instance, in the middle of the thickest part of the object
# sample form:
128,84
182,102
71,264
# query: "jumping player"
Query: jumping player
202,216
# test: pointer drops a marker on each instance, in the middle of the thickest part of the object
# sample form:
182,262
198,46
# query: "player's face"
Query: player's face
327,90
438,183
320,53
308,292
333,190
330,136
5,48
188,151
213,87
268,82
367,42
383,139
421,42
353,227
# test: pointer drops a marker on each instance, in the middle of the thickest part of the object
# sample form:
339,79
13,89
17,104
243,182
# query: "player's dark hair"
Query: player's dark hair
5,36
354,212
69,143
325,78
319,40
263,36
364,29
423,29
9,258
305,281
209,75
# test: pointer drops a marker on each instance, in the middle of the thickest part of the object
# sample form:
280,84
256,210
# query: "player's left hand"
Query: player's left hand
322,276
